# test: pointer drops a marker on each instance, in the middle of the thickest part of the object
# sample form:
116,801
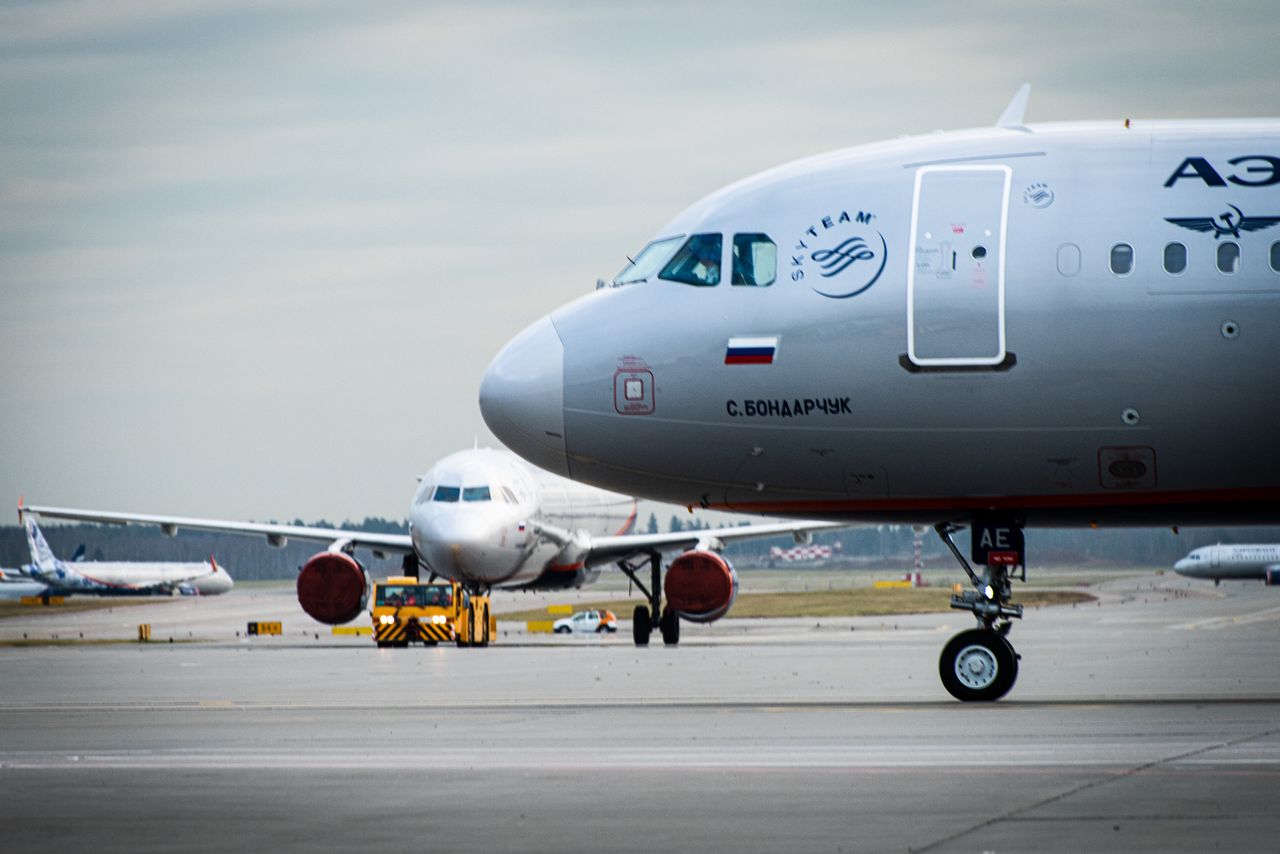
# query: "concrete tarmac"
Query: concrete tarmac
1149,721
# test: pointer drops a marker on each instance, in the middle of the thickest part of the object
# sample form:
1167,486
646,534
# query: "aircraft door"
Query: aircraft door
955,277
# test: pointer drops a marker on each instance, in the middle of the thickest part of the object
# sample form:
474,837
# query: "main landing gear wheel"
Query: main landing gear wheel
640,625
978,666
670,626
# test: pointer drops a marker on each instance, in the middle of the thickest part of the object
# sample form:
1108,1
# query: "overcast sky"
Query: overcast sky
255,256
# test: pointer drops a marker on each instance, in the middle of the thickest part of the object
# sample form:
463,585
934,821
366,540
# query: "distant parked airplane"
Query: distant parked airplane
116,578
1232,562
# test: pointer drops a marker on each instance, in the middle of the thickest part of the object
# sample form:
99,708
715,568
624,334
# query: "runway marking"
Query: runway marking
777,759
1265,615
1178,759
771,704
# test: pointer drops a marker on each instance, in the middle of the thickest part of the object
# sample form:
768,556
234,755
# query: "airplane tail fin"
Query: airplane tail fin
41,554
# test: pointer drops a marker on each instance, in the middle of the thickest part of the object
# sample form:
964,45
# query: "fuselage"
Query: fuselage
476,513
1075,323
1230,561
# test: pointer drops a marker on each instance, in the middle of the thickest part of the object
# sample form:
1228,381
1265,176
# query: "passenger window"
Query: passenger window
1275,257
697,262
1175,258
446,493
1228,257
476,493
755,260
1122,259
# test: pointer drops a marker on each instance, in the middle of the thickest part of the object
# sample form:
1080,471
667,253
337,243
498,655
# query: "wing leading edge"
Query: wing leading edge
277,535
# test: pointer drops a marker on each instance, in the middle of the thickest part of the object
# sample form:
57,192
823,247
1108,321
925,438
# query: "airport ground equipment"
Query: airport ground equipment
587,622
406,610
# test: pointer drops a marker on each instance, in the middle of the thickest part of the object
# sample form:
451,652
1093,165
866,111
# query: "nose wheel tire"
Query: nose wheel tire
641,627
978,666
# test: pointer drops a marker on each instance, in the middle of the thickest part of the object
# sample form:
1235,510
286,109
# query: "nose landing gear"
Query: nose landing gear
980,665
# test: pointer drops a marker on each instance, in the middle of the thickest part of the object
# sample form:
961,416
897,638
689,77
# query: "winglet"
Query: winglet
1012,116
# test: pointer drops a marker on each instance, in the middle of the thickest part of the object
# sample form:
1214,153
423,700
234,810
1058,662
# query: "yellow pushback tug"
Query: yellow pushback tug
407,610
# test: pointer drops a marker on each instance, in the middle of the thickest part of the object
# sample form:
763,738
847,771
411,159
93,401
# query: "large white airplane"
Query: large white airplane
115,578
1232,562
487,519
1063,324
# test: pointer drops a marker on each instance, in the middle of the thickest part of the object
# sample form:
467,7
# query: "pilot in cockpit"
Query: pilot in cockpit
708,267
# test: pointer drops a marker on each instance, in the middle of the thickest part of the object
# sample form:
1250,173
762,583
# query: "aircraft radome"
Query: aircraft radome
1060,325
487,519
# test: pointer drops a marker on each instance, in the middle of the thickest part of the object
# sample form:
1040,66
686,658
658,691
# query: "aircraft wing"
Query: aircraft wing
277,535
609,549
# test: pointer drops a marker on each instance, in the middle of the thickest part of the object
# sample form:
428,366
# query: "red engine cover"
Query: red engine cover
332,588
701,586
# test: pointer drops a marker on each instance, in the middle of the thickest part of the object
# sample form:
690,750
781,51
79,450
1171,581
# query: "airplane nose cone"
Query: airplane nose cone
522,397
458,546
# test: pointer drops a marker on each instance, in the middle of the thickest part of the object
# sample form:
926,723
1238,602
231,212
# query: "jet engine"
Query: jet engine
333,587
1271,576
701,586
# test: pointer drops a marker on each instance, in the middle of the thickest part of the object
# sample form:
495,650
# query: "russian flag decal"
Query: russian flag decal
751,351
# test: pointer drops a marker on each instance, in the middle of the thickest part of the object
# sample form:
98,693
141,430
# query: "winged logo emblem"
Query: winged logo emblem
1228,223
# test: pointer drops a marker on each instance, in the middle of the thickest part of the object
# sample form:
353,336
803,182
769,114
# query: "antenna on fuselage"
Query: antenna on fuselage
1012,116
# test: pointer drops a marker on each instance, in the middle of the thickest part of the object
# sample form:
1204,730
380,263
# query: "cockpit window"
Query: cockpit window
446,493
755,260
476,493
697,262
648,261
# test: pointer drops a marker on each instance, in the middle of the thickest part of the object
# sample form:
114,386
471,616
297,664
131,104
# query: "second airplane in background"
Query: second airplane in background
487,519
1232,562
114,578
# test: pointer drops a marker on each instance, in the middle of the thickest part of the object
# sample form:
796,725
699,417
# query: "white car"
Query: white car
587,622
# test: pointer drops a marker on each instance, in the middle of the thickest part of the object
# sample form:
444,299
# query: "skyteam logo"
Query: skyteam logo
840,256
